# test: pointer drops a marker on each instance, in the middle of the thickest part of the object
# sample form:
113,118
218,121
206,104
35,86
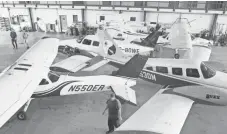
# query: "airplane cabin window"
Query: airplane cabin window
177,71
87,42
119,35
206,71
53,77
162,69
149,68
43,82
96,43
191,72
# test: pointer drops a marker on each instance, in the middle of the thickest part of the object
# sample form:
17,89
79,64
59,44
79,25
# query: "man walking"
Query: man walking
25,37
13,36
114,113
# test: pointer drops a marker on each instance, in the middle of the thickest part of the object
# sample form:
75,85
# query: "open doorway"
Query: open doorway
63,23
75,19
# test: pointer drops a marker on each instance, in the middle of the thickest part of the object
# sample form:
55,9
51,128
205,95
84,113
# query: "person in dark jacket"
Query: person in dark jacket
13,36
114,110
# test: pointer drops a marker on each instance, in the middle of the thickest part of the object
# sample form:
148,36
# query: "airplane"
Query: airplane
90,43
185,82
168,109
29,84
20,80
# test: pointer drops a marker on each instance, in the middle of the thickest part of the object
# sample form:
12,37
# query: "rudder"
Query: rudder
133,67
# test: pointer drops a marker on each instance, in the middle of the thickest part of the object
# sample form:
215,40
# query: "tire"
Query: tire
76,51
21,115
176,56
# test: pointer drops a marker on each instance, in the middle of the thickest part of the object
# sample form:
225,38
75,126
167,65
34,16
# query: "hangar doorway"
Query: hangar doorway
75,19
63,23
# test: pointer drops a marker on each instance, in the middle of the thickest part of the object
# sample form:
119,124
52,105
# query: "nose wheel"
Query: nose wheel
21,115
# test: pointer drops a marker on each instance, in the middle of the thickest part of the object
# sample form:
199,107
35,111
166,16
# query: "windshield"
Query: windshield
53,76
206,71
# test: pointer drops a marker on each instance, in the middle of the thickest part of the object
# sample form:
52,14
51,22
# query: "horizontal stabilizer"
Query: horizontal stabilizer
96,66
125,93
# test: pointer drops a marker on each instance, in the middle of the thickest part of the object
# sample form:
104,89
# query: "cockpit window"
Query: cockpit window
43,82
53,77
95,43
87,42
191,72
206,71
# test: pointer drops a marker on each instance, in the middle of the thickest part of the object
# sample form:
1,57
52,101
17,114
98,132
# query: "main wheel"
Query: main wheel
21,115
176,56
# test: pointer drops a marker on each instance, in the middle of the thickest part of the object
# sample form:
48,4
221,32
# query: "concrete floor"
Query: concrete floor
82,114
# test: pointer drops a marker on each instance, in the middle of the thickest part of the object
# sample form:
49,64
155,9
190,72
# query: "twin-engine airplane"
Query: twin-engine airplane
30,77
185,82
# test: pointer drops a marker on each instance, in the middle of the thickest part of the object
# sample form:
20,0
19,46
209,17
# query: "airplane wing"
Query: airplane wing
78,62
163,113
21,79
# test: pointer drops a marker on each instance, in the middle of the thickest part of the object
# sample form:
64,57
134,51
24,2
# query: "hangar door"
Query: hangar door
63,23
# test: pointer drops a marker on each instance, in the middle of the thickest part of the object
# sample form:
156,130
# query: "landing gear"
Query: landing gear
176,55
21,115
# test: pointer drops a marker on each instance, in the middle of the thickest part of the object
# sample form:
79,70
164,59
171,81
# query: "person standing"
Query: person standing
25,37
13,36
114,113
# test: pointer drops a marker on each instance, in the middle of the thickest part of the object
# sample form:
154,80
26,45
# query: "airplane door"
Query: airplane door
63,23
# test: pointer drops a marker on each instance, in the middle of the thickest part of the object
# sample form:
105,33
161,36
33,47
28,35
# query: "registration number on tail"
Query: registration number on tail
77,88
147,75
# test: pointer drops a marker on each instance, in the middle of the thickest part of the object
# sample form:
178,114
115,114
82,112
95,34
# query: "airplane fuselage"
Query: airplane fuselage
69,85
91,44
203,87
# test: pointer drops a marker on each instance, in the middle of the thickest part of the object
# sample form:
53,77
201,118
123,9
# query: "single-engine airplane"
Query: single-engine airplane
30,77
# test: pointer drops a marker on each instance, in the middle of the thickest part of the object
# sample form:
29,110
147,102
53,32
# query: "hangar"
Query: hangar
76,53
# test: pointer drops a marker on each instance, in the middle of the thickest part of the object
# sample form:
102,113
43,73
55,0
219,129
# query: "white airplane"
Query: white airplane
20,80
185,82
29,84
91,43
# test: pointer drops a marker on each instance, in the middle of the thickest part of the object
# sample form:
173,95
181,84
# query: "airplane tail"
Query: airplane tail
151,39
109,48
133,67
